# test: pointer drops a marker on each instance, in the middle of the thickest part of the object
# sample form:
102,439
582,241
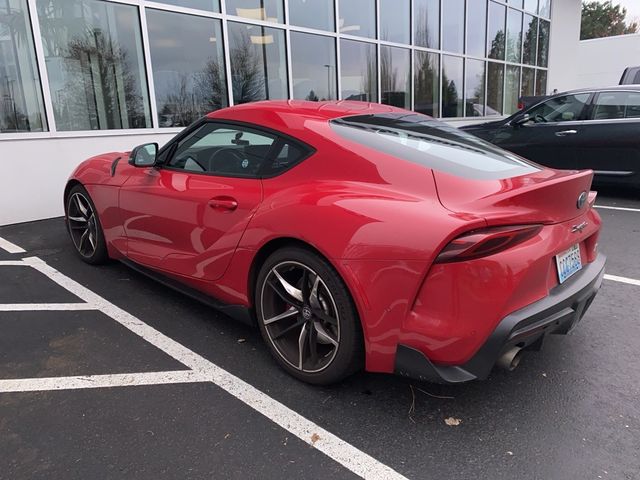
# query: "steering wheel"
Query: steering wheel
235,154
539,119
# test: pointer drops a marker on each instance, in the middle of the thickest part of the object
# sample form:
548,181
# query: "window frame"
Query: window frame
280,140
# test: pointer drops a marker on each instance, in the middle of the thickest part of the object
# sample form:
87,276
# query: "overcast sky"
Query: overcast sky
632,6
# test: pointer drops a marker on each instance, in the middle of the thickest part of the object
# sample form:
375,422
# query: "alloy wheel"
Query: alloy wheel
82,224
300,316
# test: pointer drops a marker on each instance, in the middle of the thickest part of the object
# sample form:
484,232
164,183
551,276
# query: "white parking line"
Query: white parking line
615,278
309,432
28,307
10,247
12,263
98,381
622,209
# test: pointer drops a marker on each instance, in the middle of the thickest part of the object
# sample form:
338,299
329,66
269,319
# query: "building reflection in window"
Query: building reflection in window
452,86
313,67
395,76
258,63
266,10
427,83
426,23
21,106
496,31
188,66
495,82
359,71
474,85
317,14
93,52
358,17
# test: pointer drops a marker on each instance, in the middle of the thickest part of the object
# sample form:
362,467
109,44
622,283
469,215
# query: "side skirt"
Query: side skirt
237,312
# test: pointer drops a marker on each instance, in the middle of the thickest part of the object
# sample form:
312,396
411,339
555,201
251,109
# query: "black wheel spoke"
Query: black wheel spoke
313,346
284,295
305,286
294,326
318,312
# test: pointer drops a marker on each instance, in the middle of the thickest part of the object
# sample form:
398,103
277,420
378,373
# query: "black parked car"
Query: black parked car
589,128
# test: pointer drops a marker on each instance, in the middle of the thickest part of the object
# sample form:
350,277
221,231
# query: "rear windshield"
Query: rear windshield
420,139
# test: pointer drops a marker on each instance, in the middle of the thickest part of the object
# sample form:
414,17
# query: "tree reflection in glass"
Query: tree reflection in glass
93,52
188,66
395,76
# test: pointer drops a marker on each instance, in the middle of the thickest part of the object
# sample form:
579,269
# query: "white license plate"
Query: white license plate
568,263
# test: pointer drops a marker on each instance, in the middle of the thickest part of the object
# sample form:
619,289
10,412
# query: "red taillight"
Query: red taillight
481,243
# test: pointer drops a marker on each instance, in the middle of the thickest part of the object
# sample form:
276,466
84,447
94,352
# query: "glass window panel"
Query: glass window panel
514,36
395,76
312,14
267,10
395,21
477,27
531,6
530,40
95,64
358,17
495,82
208,5
258,63
453,26
427,83
452,86
543,43
516,3
359,71
512,90
545,8
616,105
21,106
426,22
188,66
541,82
313,65
560,109
474,86
528,82
495,31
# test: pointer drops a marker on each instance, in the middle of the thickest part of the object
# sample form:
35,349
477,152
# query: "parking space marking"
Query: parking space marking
28,307
622,209
203,370
615,278
10,247
98,381
12,263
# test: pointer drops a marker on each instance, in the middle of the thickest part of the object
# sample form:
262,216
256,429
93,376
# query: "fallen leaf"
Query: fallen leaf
509,453
314,438
242,340
452,422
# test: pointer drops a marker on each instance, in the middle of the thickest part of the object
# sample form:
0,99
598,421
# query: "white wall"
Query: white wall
601,61
33,172
564,41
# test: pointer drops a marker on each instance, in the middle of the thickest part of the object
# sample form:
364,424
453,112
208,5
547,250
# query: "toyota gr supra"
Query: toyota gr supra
355,235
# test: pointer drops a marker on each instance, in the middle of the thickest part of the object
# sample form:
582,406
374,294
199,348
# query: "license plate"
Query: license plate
568,263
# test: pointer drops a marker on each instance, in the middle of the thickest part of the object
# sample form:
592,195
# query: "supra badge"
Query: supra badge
579,228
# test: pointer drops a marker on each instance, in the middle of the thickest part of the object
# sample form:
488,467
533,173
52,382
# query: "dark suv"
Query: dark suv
590,128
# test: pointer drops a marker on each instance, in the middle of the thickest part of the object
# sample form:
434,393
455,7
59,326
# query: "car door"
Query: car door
187,215
609,138
551,133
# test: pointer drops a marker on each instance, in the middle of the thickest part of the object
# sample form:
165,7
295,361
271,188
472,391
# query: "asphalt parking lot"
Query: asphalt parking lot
106,374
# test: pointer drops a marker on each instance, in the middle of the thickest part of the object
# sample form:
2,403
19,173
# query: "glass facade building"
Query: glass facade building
90,65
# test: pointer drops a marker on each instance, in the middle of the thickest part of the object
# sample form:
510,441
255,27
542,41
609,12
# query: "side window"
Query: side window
614,105
559,109
288,155
223,150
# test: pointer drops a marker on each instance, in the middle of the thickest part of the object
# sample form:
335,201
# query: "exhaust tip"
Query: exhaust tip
510,360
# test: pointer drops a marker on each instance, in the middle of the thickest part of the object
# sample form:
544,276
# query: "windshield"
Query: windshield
423,140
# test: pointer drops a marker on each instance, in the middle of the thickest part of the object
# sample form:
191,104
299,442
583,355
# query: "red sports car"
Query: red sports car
355,235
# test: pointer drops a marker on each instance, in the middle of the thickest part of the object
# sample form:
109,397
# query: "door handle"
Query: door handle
564,133
223,203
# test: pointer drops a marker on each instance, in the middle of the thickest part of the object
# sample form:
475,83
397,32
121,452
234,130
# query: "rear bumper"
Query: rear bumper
556,313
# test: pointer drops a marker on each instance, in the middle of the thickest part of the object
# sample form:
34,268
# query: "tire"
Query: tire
320,317
84,226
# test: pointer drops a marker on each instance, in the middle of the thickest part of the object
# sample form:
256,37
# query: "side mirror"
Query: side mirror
520,120
144,155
